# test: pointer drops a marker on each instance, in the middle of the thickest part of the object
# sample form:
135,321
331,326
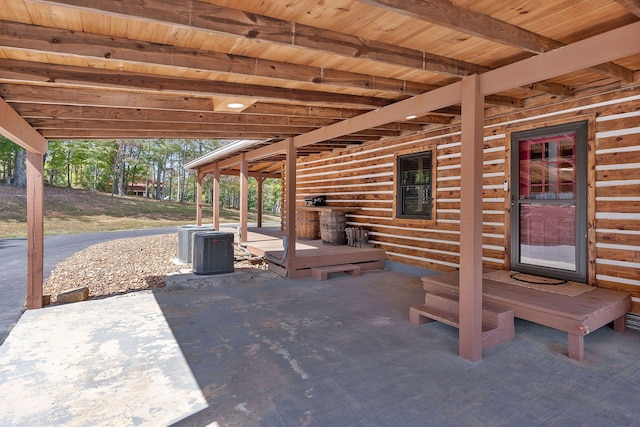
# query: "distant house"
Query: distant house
140,189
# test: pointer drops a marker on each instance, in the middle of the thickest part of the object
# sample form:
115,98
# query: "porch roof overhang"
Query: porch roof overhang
318,73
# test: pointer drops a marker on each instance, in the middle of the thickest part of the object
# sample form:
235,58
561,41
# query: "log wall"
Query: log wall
363,178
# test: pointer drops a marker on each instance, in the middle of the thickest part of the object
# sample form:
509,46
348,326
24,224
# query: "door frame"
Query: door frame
581,128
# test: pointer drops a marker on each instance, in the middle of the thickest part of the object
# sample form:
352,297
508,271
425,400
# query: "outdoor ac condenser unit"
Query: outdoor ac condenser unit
212,252
185,241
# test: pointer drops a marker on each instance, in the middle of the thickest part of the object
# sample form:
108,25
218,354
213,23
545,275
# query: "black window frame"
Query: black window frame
401,208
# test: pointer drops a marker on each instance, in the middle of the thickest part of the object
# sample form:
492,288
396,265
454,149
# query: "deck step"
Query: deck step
321,273
372,265
497,321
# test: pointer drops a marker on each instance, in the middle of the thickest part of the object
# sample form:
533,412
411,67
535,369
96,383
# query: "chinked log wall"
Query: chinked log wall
363,177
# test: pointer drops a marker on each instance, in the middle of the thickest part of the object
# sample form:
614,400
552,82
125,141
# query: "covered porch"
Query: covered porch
338,75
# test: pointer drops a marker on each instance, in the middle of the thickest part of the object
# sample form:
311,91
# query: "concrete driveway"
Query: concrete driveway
303,352
13,271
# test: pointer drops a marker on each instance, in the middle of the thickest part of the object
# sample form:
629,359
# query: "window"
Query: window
414,192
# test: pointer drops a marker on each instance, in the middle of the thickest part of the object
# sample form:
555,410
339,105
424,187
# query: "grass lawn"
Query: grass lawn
71,211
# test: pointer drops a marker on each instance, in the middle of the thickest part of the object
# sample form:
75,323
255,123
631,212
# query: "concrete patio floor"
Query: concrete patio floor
282,352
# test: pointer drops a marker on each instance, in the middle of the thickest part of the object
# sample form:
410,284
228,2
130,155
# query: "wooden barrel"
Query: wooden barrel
332,224
307,225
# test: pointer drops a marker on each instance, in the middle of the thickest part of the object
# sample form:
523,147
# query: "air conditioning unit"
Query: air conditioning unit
185,241
212,252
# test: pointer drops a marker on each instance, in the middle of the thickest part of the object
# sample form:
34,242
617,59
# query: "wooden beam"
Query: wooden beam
15,71
80,77
290,196
470,331
88,113
35,229
97,98
55,134
216,197
63,124
208,169
160,100
144,126
447,14
112,52
255,113
420,104
615,44
632,6
238,24
609,46
244,198
258,113
19,131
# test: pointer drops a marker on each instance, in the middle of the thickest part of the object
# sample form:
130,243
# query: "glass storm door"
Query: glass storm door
549,201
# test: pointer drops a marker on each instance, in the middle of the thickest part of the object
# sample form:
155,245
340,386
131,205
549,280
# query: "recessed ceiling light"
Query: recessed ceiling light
410,117
235,105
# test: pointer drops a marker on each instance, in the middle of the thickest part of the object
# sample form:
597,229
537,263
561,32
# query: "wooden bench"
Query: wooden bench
497,321
321,273
576,315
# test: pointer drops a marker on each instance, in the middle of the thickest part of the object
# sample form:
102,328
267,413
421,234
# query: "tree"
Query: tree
115,165
20,172
8,151
12,163
272,195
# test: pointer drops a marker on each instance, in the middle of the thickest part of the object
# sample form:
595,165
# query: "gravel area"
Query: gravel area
124,265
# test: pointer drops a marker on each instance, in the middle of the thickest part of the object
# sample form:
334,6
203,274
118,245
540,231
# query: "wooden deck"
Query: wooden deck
310,254
577,315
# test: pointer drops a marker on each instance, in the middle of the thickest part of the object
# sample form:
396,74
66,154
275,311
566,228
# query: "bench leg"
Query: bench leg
576,346
416,318
620,324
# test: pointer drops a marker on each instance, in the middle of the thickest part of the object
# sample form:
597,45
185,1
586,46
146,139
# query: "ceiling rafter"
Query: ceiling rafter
447,14
117,50
88,77
248,26
75,112
234,23
70,134
62,124
67,76
258,112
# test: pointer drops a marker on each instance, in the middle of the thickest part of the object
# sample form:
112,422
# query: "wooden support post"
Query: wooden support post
260,181
199,198
244,197
216,197
290,182
470,334
35,229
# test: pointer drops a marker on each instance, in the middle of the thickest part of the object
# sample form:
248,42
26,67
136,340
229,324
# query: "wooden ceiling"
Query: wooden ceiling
79,69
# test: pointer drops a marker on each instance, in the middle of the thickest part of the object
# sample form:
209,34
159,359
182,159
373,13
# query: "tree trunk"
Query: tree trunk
121,181
20,173
69,169
158,178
